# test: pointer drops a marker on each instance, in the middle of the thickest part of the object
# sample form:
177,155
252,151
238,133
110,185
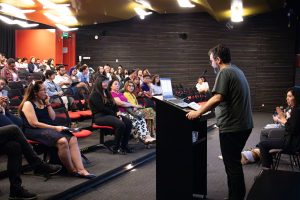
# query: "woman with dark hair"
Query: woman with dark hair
155,86
50,64
202,85
32,67
38,117
105,112
291,140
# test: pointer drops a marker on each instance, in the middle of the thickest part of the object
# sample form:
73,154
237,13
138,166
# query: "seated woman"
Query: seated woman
105,112
138,121
38,117
202,85
148,113
291,139
53,90
156,88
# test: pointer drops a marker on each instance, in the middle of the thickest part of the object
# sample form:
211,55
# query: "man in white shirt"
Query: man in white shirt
62,79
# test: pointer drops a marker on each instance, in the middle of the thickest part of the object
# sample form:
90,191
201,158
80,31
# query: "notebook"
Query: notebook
167,93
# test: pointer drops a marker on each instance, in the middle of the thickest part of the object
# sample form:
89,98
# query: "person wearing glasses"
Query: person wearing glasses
231,95
38,116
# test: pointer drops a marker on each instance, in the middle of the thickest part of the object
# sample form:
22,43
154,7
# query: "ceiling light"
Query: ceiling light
65,28
185,4
52,17
24,24
7,20
142,13
12,10
144,3
51,30
28,11
28,2
237,11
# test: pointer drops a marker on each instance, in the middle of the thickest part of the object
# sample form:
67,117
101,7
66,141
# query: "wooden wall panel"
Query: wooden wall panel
263,50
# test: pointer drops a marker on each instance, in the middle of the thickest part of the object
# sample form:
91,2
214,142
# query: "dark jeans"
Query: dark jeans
14,144
122,127
272,133
265,146
9,118
232,145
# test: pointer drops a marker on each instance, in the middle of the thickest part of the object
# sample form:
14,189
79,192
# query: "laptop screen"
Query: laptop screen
166,86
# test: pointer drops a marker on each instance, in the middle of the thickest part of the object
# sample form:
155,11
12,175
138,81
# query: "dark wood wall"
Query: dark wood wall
262,46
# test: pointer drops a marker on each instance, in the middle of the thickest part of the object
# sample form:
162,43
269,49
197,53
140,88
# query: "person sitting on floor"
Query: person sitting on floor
13,143
290,142
38,116
106,113
129,110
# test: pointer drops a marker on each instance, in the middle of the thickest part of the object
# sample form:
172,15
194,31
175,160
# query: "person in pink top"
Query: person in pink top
131,111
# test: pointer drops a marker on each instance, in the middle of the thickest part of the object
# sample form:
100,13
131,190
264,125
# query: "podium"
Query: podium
181,164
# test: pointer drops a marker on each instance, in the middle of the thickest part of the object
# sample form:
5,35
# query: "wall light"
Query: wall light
185,4
237,11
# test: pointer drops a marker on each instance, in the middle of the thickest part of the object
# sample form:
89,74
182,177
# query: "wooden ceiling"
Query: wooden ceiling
103,11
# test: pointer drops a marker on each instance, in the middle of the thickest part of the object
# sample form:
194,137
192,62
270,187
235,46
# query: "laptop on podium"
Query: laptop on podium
167,93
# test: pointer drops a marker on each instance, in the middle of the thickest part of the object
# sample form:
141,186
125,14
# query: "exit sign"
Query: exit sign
65,35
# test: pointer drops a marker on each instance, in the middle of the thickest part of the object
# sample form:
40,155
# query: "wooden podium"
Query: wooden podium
181,164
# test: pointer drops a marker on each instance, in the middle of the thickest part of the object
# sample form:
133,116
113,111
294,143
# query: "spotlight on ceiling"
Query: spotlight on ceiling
185,4
236,11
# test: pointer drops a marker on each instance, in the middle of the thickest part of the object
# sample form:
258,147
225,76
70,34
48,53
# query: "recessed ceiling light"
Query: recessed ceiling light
185,4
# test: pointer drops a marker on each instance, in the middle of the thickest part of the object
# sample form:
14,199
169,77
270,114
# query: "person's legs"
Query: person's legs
116,123
76,156
271,133
265,146
4,120
65,155
232,145
126,134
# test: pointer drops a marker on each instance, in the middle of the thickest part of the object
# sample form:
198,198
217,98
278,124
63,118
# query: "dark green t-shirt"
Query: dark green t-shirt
234,112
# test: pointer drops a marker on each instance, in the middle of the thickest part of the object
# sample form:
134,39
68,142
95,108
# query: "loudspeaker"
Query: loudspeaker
276,185
183,36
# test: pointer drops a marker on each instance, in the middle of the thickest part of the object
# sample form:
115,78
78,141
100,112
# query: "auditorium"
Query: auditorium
149,99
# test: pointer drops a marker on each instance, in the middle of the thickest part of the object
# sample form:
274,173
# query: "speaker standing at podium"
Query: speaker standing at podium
231,97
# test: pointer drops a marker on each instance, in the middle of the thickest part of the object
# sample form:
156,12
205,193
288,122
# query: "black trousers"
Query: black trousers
14,144
232,145
122,128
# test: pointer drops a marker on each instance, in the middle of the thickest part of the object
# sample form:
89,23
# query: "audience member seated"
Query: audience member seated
18,64
148,113
61,78
107,71
32,67
83,74
290,141
129,110
50,64
38,117
202,85
6,117
9,72
105,113
99,72
14,145
53,89
147,91
24,63
155,86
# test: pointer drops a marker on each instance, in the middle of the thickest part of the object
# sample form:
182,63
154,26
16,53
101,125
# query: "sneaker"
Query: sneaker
125,150
147,139
47,169
22,194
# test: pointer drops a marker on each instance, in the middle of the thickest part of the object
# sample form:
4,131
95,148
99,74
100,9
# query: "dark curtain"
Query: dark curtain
7,40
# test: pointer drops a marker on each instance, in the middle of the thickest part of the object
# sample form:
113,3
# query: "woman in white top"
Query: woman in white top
202,85
155,86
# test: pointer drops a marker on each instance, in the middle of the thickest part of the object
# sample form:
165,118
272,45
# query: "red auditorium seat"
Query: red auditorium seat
82,133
